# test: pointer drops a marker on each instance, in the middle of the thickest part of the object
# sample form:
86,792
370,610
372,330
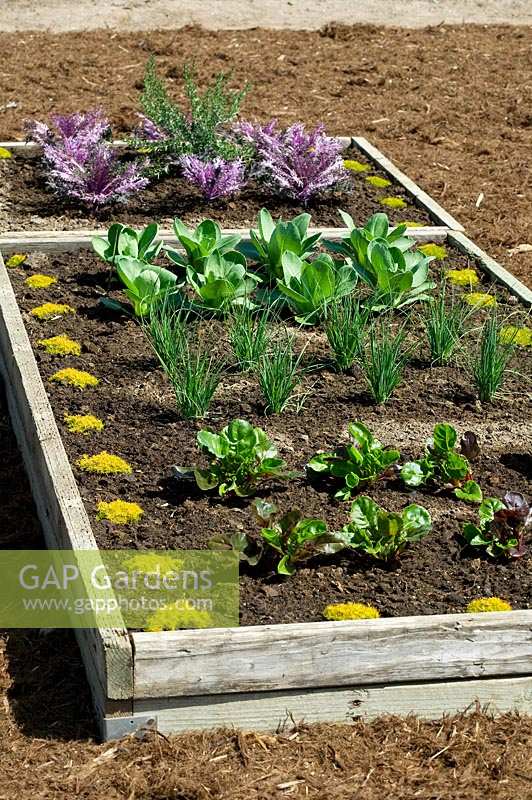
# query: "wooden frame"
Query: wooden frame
258,677
441,217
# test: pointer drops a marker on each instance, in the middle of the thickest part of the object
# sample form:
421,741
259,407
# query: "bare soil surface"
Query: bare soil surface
135,15
26,203
434,576
450,105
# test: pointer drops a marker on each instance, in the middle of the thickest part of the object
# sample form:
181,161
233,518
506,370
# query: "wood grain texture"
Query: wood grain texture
271,711
106,652
492,267
440,215
71,241
317,654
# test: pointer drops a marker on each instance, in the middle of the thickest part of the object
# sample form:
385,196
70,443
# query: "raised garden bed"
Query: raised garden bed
27,205
257,674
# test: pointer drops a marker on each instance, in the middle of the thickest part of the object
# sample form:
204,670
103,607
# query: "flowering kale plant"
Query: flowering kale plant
298,163
81,162
216,178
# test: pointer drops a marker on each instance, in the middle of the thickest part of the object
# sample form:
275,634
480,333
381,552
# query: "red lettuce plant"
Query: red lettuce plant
81,162
217,178
298,163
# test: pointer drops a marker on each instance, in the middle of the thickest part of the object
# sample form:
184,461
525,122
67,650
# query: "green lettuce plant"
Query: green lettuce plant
503,526
443,466
296,538
240,457
310,286
268,244
356,464
385,262
384,534
204,241
122,242
248,550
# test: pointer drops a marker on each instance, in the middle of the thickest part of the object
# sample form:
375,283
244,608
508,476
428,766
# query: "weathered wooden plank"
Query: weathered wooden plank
106,652
435,209
271,711
71,241
492,267
271,657
20,147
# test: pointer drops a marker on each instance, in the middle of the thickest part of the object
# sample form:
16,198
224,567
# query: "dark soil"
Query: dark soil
136,403
29,205
427,98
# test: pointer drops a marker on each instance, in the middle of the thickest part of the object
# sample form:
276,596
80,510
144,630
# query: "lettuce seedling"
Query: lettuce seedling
144,284
248,550
385,534
223,282
240,457
204,241
382,259
295,537
126,242
269,243
442,466
503,526
357,464
310,286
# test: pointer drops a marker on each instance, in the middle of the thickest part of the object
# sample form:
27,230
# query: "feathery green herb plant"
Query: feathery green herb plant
384,358
249,336
345,328
279,374
444,327
490,364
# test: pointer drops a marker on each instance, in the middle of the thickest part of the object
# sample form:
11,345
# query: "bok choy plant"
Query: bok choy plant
124,242
310,286
144,284
269,243
204,241
385,262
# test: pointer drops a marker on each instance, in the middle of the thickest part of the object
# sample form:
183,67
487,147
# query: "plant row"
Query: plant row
203,143
241,456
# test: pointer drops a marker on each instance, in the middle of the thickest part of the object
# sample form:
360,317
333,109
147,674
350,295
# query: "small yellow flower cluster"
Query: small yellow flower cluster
344,611
75,377
170,618
5,153
60,346
393,202
356,166
152,562
516,336
410,224
462,277
119,512
49,310
480,299
39,281
436,251
485,604
16,260
104,464
378,182
83,423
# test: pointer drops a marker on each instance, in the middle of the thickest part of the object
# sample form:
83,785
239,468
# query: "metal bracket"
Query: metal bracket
118,727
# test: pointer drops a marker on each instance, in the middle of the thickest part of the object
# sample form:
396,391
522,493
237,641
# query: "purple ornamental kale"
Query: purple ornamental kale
81,163
216,178
148,130
298,163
